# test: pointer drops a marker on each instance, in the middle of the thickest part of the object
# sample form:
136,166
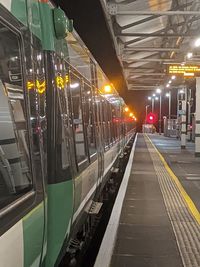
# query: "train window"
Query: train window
105,123
62,123
89,118
75,88
15,175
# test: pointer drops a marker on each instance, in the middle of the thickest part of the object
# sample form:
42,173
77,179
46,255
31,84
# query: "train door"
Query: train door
60,171
99,137
22,154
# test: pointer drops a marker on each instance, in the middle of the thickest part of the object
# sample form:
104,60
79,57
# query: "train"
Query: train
62,128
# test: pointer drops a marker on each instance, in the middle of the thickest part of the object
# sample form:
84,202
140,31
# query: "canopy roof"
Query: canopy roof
150,35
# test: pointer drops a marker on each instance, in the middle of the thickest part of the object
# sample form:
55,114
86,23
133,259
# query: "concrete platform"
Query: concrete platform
159,221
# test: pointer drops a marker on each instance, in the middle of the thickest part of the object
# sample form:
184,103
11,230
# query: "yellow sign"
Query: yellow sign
186,70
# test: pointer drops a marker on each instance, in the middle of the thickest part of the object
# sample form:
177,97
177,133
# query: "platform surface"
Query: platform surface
159,225
182,162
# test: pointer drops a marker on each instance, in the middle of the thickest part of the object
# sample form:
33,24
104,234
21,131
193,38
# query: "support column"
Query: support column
189,116
183,99
197,122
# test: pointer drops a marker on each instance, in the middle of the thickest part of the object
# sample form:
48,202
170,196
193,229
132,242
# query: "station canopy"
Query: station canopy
151,35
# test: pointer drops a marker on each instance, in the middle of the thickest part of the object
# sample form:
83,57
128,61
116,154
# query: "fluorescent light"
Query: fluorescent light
74,85
197,42
170,81
158,90
168,85
154,95
189,55
149,97
173,77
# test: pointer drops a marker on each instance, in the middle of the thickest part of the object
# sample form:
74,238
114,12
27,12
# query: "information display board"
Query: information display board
185,70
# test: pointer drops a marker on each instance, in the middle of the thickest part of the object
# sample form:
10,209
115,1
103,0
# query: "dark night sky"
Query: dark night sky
90,24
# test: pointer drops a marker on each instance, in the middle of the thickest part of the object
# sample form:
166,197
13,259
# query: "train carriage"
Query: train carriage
60,133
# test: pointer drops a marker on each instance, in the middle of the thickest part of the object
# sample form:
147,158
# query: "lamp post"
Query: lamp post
146,113
160,109
169,97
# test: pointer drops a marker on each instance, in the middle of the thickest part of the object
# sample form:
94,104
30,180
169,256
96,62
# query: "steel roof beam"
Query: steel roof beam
115,9
140,85
139,22
151,60
174,35
147,74
160,49
149,18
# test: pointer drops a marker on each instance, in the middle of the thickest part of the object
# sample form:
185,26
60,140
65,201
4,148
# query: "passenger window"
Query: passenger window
89,118
62,136
75,88
15,175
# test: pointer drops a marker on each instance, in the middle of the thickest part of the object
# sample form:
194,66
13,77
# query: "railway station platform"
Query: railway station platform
155,220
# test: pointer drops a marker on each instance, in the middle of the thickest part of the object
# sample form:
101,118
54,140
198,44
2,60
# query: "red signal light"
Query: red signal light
151,118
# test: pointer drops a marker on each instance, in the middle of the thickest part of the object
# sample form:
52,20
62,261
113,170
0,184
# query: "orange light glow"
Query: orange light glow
126,109
107,88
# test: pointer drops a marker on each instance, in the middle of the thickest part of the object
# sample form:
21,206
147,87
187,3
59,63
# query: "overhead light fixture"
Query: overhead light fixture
170,81
167,94
189,55
107,88
168,85
181,91
158,90
156,98
197,42
74,85
149,97
154,95
173,77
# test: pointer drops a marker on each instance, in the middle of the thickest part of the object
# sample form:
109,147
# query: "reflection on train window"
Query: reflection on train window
106,125
88,118
15,176
75,85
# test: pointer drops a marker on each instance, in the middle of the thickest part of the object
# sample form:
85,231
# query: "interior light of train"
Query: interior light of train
67,78
74,85
41,87
30,85
60,82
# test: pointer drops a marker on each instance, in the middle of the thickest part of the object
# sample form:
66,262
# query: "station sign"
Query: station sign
187,71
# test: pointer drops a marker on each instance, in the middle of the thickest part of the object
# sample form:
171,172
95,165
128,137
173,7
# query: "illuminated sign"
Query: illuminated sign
186,70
